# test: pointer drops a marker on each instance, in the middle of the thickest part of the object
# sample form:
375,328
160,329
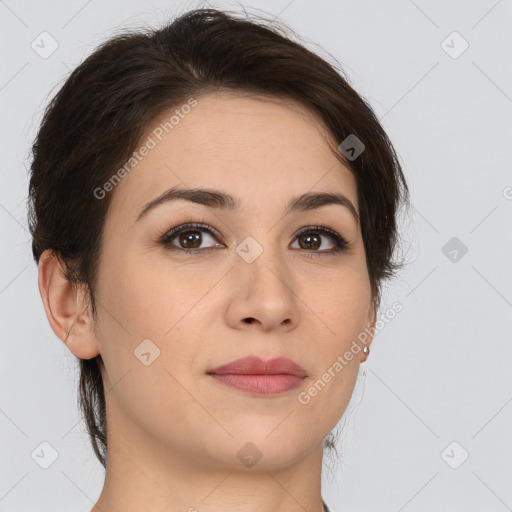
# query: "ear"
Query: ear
66,308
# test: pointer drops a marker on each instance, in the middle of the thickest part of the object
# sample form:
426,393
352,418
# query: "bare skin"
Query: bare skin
174,433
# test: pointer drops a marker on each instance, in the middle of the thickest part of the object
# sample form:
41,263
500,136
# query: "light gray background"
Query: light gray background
438,372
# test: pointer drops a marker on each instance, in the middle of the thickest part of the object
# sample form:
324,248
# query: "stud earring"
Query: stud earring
366,349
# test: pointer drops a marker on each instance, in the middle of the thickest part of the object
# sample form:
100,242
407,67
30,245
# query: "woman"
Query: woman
213,211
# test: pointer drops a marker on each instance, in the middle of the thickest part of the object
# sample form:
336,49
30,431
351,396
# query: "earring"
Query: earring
366,349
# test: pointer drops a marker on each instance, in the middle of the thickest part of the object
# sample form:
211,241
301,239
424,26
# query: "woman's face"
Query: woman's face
254,286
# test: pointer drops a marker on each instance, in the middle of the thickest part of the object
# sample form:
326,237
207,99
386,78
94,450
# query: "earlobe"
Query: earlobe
65,308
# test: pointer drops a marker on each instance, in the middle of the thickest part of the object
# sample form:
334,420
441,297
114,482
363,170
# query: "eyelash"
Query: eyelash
341,244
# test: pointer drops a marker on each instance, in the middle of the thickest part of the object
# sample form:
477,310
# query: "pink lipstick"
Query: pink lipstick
261,377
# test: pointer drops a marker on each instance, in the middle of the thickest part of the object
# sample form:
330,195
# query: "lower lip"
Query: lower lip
260,384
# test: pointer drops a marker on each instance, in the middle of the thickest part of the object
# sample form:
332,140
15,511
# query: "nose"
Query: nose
263,294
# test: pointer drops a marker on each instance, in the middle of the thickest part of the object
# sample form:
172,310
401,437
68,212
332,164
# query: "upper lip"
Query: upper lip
257,366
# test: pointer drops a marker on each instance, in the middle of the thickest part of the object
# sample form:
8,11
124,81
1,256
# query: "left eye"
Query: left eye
190,238
312,239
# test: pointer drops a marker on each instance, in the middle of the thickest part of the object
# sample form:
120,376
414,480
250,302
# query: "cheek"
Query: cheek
141,301
139,304
340,319
150,300
340,305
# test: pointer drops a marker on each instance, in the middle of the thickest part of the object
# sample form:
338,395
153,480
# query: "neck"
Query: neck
142,474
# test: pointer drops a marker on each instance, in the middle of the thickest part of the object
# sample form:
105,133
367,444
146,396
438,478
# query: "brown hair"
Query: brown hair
93,124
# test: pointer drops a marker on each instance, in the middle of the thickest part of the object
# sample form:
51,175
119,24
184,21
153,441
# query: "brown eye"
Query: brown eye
189,238
311,239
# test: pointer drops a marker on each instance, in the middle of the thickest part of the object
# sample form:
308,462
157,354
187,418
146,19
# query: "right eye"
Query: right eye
189,238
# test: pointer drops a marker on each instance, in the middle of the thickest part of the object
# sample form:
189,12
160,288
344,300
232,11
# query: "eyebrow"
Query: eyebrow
220,200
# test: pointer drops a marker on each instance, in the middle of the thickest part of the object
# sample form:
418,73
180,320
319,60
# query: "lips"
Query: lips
260,377
256,366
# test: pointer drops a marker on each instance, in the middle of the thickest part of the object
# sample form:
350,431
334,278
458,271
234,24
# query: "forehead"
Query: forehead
252,147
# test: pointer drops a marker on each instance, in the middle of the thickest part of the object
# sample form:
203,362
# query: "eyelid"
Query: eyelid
171,233
318,228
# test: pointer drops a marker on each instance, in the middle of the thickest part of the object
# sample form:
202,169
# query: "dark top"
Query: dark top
326,508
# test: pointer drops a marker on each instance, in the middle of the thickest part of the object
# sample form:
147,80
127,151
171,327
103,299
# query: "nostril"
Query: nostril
249,320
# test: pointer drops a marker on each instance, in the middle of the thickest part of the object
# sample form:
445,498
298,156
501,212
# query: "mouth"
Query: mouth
260,377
